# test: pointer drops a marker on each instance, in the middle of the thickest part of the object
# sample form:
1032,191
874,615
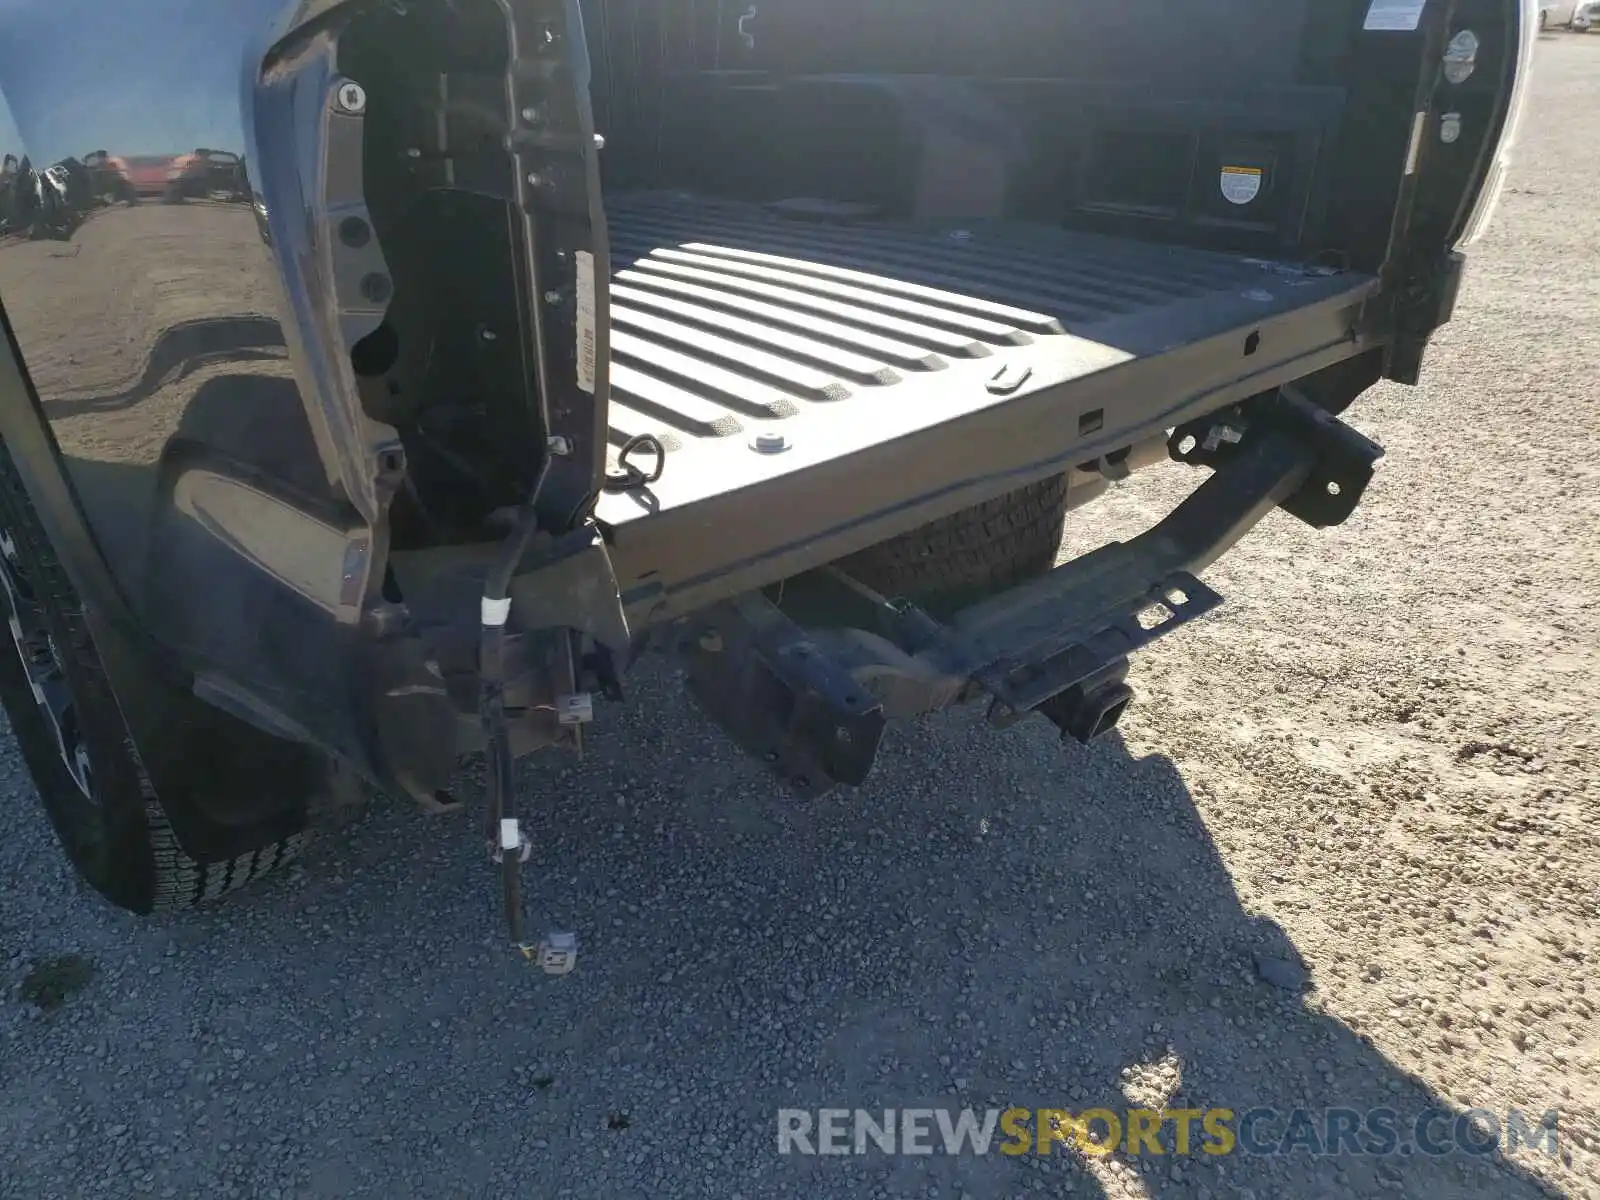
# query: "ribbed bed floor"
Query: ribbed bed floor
730,318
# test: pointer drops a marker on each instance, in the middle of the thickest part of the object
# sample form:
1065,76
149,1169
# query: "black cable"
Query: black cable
501,809
503,829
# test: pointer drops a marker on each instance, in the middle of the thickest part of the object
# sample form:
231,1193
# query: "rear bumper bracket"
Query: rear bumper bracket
813,704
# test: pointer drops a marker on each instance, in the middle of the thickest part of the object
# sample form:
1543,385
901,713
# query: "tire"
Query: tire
84,763
970,554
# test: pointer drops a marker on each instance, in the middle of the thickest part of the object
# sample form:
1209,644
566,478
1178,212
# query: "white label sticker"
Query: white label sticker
1419,127
1240,185
1397,16
586,321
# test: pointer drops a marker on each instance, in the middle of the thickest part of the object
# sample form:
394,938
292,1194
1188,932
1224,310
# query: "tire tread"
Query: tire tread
178,879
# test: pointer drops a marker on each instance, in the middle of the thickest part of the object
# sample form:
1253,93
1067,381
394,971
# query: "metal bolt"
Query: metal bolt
485,334
1220,434
1461,59
352,97
599,141
530,115
535,179
552,297
559,446
770,442
1450,128
961,235
711,642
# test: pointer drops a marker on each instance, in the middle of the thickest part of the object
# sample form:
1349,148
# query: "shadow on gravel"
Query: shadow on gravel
995,921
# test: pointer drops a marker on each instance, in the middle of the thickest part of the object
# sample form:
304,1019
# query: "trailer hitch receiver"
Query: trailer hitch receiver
812,703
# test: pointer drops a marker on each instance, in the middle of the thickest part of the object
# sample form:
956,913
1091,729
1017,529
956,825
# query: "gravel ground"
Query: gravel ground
1376,765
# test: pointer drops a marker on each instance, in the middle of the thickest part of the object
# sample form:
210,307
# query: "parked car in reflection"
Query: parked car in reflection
65,193
48,203
106,180
11,183
258,205
164,177
1587,17
219,175
1558,14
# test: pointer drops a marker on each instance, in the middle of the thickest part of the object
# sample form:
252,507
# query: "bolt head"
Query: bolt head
352,97
770,441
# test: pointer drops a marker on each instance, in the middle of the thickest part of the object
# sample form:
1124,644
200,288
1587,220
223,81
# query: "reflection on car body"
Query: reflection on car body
220,175
152,176
1558,14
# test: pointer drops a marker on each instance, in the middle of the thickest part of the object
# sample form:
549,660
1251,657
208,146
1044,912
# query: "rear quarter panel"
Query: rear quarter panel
167,351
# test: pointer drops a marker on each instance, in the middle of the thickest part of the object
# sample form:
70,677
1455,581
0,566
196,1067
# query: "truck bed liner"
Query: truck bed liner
732,319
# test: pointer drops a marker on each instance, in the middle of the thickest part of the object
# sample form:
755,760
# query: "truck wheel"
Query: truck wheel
70,730
972,553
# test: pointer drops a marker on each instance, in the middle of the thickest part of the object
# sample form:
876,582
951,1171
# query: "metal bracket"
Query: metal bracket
813,705
566,264
1021,687
780,695
1345,460
556,953
569,584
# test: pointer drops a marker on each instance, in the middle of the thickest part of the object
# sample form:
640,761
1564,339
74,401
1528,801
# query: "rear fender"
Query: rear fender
179,394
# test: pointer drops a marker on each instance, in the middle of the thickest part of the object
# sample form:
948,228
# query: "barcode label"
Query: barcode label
586,320
1400,16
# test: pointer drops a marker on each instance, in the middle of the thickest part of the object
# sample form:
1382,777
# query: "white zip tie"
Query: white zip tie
496,612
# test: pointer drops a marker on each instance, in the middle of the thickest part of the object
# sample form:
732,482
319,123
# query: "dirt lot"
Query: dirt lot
1378,767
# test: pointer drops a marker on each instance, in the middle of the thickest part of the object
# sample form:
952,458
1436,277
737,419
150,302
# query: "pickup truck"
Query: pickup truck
776,335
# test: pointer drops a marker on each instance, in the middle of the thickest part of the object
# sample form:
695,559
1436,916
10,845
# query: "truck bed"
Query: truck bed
853,337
